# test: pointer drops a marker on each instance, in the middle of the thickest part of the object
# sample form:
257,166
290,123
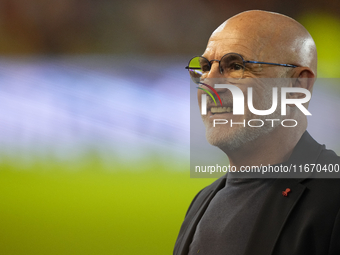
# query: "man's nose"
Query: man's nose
215,71
215,77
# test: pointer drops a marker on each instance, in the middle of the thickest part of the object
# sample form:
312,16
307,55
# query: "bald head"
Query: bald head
265,36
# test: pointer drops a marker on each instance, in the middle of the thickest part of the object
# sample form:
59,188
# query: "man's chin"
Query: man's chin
234,139
231,139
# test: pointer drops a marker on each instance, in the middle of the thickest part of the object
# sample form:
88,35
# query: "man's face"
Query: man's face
226,40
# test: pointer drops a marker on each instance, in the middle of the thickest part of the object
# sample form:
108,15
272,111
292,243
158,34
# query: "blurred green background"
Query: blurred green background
93,159
49,210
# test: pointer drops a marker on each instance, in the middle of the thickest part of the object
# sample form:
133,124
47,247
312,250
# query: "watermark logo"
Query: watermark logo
238,99
212,97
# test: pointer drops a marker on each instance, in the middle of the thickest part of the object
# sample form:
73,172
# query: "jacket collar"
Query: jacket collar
185,237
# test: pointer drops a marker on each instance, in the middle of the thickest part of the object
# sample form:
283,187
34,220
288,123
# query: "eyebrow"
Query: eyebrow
244,58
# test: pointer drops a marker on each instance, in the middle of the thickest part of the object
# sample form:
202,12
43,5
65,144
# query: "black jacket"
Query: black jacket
307,221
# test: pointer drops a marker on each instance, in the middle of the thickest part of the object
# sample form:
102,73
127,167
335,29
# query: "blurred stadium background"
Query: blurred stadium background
94,117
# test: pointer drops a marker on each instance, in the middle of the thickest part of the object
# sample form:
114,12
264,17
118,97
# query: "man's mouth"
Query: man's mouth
221,109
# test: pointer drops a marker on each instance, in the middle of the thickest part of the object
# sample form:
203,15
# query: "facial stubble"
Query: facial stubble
233,138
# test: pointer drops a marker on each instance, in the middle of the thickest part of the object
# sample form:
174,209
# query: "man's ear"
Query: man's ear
303,77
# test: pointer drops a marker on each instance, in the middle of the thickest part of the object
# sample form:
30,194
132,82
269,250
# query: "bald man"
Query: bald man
261,216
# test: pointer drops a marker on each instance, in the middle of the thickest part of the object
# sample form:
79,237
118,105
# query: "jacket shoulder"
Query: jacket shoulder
328,156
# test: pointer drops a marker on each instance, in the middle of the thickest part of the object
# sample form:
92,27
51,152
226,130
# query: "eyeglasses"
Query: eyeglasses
231,65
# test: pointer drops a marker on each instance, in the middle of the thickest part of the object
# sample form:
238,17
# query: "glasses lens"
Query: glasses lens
232,66
197,67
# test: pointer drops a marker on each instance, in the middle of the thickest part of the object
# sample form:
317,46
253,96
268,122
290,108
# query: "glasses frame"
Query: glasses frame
244,63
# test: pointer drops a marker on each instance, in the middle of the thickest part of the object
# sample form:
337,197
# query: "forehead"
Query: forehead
230,38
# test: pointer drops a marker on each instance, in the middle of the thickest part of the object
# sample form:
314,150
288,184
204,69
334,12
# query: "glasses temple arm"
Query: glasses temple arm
267,63
194,68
